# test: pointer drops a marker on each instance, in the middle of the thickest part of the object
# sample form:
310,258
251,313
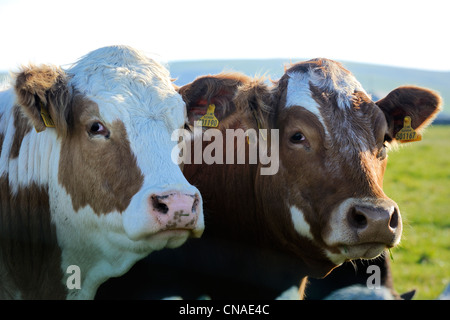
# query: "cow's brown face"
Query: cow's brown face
333,155
95,175
333,166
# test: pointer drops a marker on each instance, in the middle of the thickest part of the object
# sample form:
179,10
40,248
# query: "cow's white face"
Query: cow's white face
112,184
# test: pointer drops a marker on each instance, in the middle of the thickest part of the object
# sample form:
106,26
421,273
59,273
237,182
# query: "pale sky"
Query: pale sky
392,32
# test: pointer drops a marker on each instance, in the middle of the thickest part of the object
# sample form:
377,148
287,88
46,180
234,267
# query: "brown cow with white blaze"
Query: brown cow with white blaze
87,185
325,205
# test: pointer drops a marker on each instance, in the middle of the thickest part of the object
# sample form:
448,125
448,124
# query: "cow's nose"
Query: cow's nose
380,223
175,210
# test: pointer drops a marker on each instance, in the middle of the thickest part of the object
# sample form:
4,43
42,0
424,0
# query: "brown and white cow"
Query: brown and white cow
87,185
322,205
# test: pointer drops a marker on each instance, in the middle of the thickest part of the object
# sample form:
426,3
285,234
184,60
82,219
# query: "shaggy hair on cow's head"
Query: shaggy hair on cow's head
44,86
253,101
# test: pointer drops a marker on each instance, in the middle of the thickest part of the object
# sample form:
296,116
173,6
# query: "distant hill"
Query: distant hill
378,80
4,79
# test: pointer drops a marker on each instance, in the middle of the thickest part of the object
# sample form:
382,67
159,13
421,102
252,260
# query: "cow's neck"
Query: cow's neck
228,190
97,253
246,209
103,256
238,217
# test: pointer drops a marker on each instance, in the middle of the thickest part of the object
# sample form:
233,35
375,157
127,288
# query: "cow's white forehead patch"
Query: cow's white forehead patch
330,77
299,95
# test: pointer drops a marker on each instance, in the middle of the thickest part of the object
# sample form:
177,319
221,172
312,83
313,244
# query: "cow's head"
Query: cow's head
109,170
334,141
326,203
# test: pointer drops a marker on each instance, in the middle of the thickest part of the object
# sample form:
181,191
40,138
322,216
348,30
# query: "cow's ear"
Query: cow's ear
44,96
212,92
420,104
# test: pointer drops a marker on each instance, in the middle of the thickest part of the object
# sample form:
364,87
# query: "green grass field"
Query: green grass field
418,179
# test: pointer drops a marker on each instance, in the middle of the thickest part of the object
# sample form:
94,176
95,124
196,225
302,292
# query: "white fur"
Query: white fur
36,154
290,294
445,295
300,224
298,94
360,292
334,80
6,127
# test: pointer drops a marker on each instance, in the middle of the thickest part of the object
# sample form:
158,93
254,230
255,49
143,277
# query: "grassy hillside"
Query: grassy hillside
418,179
4,78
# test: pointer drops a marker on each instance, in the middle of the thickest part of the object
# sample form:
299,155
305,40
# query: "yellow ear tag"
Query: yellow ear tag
209,119
407,133
48,121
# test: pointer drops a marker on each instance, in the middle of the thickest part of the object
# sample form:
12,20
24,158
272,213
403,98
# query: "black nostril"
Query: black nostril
393,223
158,205
357,219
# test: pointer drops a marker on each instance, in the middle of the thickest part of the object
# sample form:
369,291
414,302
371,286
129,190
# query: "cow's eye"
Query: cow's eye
97,128
298,137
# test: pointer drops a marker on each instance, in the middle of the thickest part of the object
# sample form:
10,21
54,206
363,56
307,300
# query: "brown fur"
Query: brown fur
422,105
1,138
46,85
30,259
21,127
92,175
1,142
320,176
221,90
